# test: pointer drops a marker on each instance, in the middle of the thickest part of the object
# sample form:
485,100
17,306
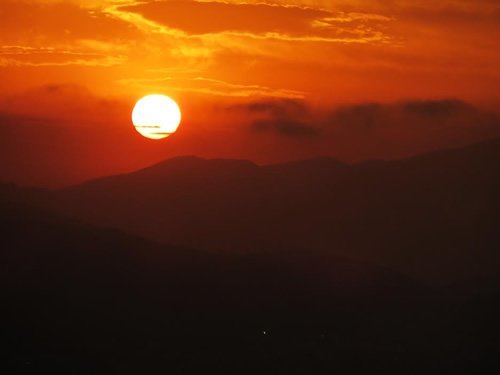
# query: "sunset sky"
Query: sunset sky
268,81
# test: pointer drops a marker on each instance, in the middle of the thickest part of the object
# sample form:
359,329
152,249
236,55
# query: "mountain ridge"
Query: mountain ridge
196,161
79,295
428,217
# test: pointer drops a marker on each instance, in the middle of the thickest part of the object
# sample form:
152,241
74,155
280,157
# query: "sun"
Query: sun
156,116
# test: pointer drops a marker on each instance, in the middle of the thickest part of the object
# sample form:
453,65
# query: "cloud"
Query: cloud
288,117
409,116
286,126
277,108
210,86
373,130
58,34
50,56
63,104
261,21
58,23
437,108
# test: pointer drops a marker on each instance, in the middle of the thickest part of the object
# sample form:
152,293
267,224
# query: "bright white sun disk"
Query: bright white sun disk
156,116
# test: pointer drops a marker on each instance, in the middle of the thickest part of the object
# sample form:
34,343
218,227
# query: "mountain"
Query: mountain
308,267
83,299
434,217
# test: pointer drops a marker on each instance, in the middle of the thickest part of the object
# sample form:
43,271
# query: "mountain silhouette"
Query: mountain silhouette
433,217
80,299
306,267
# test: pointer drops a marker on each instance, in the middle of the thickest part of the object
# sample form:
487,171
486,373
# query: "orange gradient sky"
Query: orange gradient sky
263,80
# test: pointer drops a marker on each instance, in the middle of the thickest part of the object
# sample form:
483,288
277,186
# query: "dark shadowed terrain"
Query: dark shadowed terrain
435,217
308,267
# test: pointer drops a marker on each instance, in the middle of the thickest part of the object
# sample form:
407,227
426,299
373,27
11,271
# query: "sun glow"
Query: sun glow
156,116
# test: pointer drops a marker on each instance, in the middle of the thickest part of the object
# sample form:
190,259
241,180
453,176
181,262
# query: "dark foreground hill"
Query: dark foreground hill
78,299
434,217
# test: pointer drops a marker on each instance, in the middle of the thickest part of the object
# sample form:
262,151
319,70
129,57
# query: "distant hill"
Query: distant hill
434,217
82,299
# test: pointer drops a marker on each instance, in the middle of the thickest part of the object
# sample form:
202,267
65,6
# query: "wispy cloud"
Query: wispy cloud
21,55
256,21
210,86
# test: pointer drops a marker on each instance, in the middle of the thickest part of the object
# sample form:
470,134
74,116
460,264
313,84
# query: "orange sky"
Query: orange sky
263,80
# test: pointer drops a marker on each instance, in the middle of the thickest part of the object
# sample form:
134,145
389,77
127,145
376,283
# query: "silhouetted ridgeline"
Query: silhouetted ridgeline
434,217
80,299
306,267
